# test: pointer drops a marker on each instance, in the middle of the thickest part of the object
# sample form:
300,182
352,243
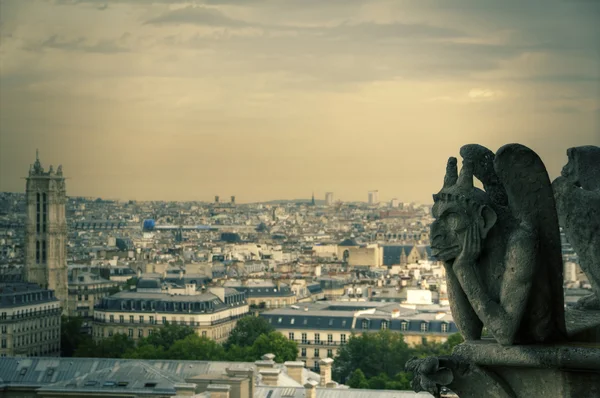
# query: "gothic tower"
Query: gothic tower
46,236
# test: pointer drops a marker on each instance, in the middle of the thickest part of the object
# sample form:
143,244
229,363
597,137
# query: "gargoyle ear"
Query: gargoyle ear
489,218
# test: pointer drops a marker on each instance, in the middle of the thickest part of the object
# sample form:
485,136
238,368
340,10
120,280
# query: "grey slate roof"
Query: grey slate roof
20,294
35,371
341,315
291,392
126,377
163,302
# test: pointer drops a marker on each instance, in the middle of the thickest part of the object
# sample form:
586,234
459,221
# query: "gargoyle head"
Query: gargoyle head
456,207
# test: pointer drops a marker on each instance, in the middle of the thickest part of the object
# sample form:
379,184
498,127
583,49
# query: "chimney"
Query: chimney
262,365
325,365
218,390
243,372
311,389
295,369
270,377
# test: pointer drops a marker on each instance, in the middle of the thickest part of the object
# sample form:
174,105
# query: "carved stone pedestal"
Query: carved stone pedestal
487,369
537,371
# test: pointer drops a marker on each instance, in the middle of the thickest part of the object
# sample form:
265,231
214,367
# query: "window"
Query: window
330,353
342,339
44,249
303,352
131,319
304,338
152,320
111,318
444,327
37,249
365,324
279,320
384,325
291,336
3,343
317,338
292,321
110,332
121,319
404,326
140,332
329,338
316,353
3,329
424,326
141,319
164,320
131,333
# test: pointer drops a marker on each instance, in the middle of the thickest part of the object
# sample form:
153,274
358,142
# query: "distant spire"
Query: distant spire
37,154
312,202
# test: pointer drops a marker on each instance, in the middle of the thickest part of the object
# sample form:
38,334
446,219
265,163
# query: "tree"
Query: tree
146,352
71,336
115,346
358,380
167,335
373,353
247,330
194,347
277,344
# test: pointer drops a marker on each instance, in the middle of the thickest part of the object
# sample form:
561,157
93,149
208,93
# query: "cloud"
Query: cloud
203,16
82,44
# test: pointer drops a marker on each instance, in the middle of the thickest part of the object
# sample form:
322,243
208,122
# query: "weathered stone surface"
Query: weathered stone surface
486,369
577,194
501,247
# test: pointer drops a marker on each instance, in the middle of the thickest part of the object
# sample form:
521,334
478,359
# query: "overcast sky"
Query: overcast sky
275,99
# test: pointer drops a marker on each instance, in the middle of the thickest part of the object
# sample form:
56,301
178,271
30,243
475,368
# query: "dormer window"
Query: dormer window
404,326
384,325
444,327
424,326
365,324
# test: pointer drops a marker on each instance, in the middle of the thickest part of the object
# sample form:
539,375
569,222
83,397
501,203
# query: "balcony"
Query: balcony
320,343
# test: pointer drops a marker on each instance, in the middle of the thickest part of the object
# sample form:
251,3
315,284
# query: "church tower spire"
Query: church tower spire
46,231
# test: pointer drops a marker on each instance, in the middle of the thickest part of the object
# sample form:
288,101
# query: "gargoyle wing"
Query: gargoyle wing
531,203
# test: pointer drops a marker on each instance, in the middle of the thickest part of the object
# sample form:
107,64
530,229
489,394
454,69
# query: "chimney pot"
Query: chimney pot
295,370
310,388
270,377
325,366
218,390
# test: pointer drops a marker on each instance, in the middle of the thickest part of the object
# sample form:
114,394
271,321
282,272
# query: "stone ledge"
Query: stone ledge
567,357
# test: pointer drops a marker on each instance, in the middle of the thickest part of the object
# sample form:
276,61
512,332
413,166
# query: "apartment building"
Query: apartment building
29,321
85,290
321,328
266,295
212,313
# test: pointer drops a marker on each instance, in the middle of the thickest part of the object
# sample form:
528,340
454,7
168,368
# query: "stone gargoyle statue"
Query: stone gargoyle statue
577,194
501,246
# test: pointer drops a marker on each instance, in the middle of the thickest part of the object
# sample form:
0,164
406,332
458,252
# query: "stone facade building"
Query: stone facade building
211,314
85,290
46,231
29,321
321,328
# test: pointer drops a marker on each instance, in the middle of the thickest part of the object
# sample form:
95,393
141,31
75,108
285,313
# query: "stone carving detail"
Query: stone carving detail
501,246
577,194
435,374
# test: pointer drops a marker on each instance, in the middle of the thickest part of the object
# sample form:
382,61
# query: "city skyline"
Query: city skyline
274,100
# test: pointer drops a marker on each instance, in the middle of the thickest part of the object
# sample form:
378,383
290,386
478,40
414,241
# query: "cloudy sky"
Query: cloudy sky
267,99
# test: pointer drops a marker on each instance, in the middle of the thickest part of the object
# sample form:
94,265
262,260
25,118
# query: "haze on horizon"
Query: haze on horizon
266,99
